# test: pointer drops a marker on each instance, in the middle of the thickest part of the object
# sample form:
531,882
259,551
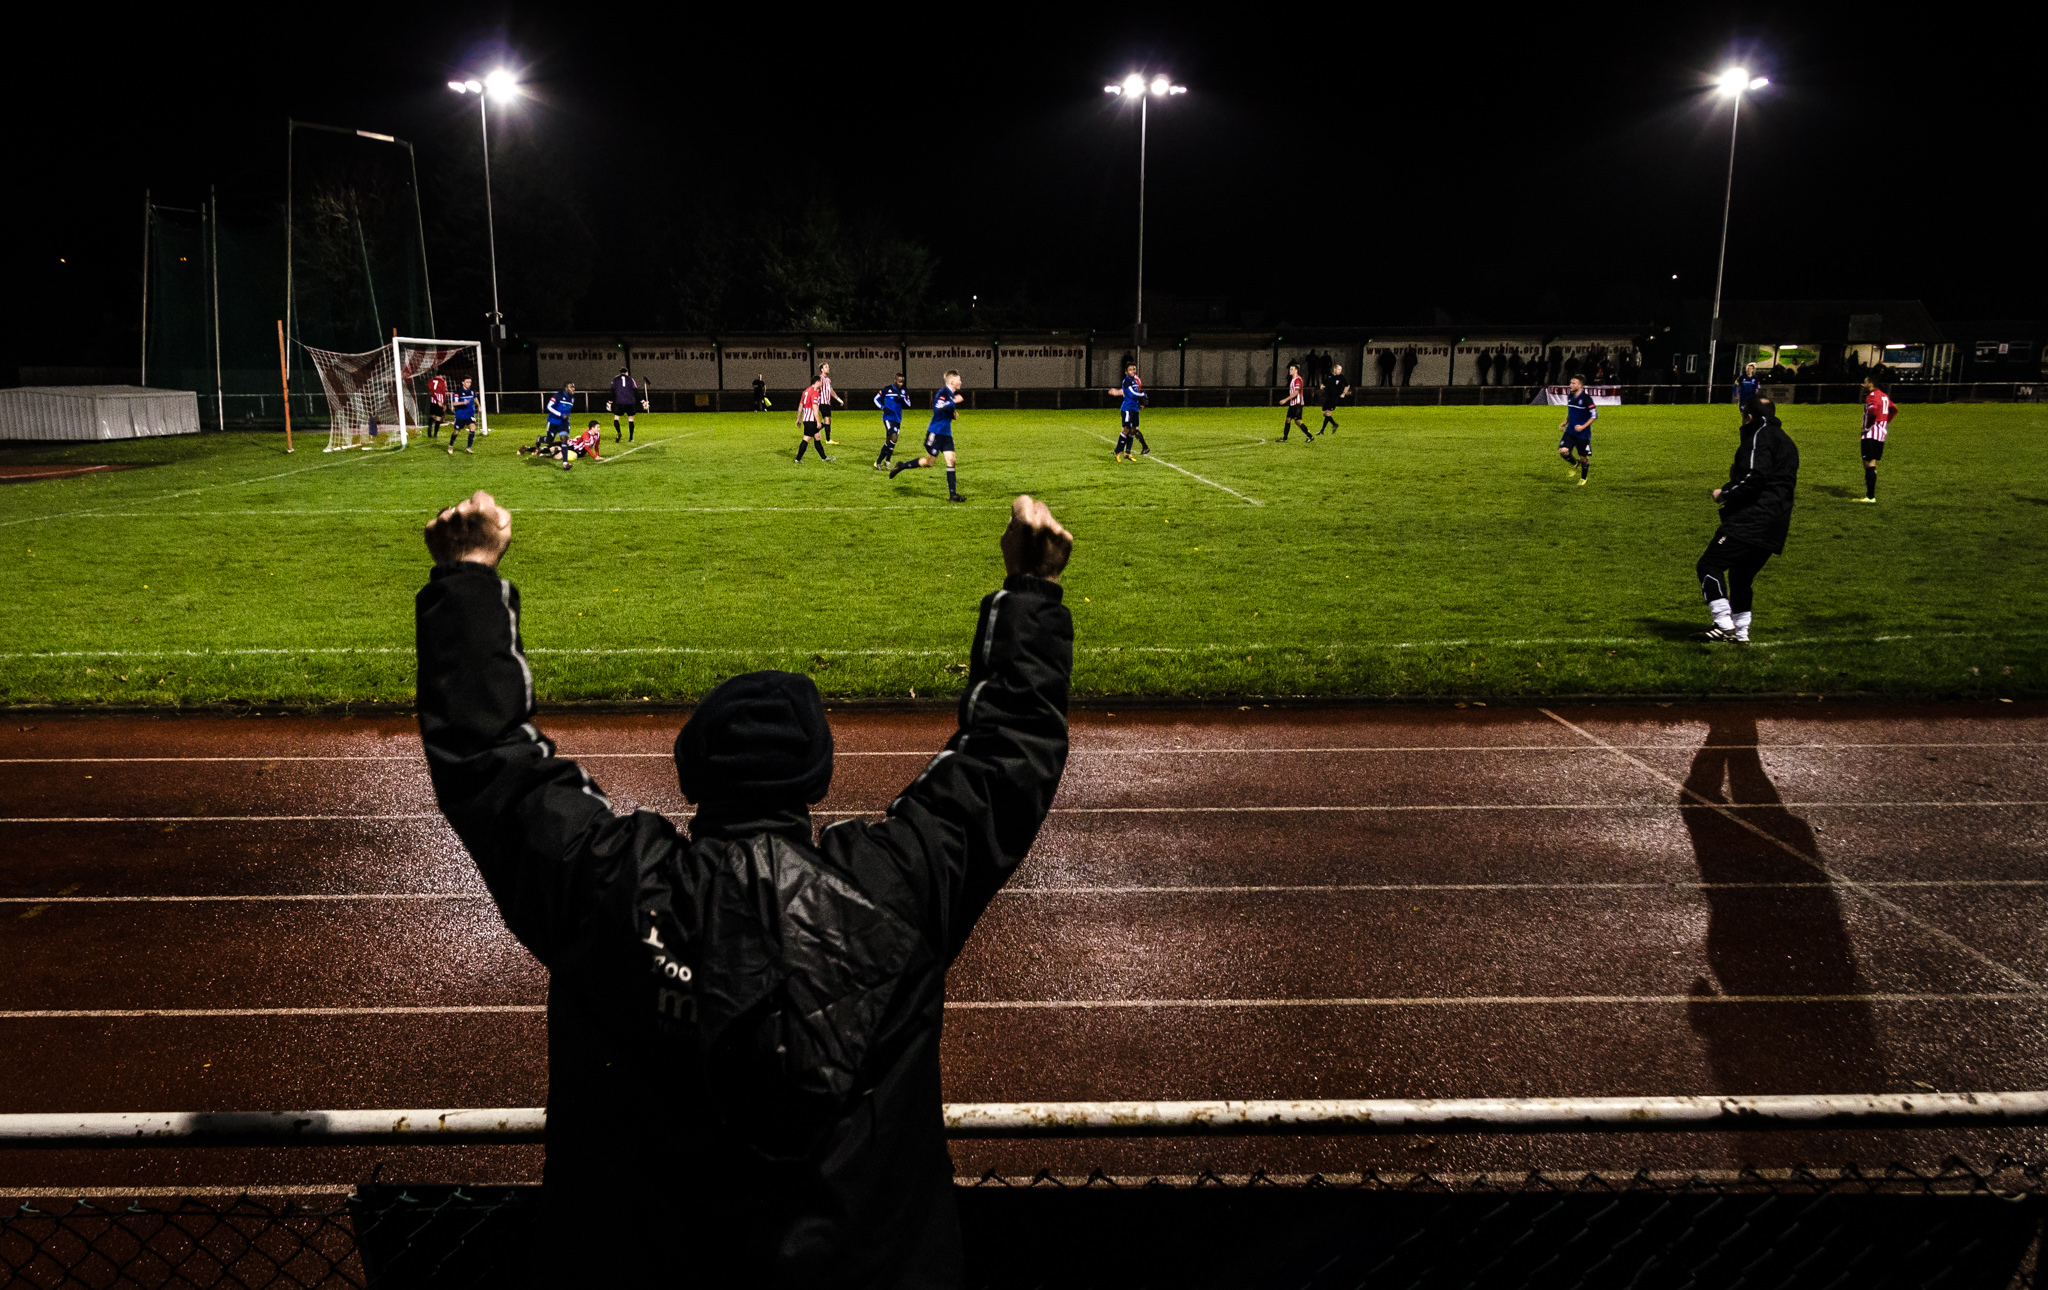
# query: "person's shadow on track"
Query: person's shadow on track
1770,940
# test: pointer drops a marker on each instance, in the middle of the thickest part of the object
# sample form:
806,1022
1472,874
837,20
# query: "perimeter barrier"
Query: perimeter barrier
1961,1223
309,408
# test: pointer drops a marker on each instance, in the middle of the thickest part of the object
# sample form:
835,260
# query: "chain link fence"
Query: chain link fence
1959,1225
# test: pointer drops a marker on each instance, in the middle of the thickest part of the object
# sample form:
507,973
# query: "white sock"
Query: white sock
1742,624
1719,609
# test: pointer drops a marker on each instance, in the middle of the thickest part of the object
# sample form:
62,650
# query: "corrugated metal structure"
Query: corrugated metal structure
96,412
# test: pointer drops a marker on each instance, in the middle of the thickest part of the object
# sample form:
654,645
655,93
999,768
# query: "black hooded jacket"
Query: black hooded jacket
1756,502
743,1026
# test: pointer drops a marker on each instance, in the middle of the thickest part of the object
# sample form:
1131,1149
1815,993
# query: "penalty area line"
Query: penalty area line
1161,461
187,492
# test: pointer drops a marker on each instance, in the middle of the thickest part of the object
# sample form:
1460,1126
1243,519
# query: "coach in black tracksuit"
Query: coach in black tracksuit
743,1025
1756,514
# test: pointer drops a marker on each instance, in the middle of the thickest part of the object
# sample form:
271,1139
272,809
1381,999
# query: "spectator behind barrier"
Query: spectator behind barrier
743,1024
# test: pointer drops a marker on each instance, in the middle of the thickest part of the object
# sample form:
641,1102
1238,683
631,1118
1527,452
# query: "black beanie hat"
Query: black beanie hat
758,738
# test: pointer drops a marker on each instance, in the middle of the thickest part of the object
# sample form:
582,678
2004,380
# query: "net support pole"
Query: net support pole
146,210
220,397
284,376
1483,1115
398,384
483,413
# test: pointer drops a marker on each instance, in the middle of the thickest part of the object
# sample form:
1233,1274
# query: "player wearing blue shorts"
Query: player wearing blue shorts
938,438
560,406
1579,415
1747,386
1133,391
893,400
464,403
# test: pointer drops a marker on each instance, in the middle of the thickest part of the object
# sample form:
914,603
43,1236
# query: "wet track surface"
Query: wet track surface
266,913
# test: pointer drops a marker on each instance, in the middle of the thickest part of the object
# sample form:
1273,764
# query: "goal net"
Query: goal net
380,391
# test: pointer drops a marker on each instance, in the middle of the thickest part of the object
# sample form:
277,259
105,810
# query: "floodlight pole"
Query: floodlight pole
1720,270
491,239
1138,329
220,397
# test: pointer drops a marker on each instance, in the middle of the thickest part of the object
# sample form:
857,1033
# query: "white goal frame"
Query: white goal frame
398,377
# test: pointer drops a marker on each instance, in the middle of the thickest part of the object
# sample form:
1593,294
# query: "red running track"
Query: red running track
258,913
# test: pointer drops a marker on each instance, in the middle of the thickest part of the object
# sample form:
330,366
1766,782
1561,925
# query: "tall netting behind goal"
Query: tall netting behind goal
380,391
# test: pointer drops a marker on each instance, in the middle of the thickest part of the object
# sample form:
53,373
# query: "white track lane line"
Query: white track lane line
421,1010
1724,810
1088,1005
1108,810
669,755
1488,1001
1167,890
1161,461
92,512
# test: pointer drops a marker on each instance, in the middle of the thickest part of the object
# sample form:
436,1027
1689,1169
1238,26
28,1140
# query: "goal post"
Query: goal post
372,391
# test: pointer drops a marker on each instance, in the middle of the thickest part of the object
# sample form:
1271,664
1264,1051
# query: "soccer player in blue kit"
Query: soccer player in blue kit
464,403
1747,386
1579,415
1133,391
938,439
560,405
893,400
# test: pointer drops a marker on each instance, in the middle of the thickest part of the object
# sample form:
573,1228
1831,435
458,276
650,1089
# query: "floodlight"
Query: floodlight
1759,82
501,85
1178,89
1134,85
1894,346
1112,89
474,87
1160,85
458,87
1733,81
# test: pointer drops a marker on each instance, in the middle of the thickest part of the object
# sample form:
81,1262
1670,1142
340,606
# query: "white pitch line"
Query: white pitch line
651,443
1488,1000
668,755
1366,808
1170,466
1354,647
423,1010
1727,811
260,898
188,492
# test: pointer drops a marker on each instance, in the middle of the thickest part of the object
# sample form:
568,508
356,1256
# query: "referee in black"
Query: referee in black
1335,390
1756,514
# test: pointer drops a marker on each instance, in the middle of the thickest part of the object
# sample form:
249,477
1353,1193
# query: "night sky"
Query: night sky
1452,164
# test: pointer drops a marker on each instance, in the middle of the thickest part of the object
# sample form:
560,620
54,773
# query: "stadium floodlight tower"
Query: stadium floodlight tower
1135,86
1734,83
504,87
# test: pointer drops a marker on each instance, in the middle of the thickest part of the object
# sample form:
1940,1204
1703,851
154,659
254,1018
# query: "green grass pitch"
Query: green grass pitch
1417,552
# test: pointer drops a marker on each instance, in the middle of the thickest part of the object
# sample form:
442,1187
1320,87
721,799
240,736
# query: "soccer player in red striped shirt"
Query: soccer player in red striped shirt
1295,402
807,422
826,398
437,402
1877,421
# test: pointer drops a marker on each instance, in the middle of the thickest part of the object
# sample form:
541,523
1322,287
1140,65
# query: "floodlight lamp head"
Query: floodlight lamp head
1759,82
474,87
1733,81
1178,89
1112,89
501,84
458,87
1160,86
1134,85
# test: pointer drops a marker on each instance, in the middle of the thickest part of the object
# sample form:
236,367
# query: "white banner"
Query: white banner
1404,364
679,367
590,367
1466,370
1605,396
783,366
1041,365
859,370
929,364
